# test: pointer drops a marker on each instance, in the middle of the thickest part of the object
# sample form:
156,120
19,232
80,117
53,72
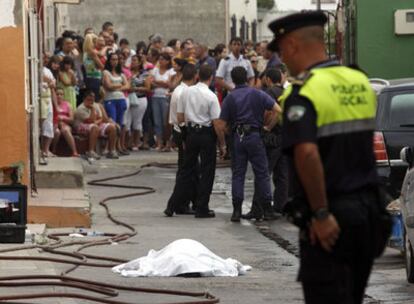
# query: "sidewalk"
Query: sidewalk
61,200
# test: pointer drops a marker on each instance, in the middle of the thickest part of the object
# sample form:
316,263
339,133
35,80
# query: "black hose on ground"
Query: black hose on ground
81,259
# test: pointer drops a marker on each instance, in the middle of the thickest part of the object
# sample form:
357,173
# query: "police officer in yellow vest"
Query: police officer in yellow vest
327,131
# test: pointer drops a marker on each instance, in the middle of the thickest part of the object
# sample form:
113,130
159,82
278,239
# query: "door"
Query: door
33,45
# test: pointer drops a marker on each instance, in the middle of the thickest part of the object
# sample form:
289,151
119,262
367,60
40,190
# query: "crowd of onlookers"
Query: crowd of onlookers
97,86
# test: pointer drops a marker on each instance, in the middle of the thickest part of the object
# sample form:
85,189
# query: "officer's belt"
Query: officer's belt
246,128
192,126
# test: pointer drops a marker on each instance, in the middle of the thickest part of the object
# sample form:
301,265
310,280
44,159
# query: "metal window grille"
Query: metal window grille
233,29
243,28
254,31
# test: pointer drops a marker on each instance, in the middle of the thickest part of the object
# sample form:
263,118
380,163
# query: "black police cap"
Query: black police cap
285,25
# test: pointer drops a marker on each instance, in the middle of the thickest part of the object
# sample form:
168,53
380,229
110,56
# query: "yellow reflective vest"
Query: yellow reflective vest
342,97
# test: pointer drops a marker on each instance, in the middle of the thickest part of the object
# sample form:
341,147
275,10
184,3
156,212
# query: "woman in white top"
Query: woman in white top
161,82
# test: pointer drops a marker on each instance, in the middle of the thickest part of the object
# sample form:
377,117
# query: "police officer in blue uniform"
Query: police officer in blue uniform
278,165
244,109
327,131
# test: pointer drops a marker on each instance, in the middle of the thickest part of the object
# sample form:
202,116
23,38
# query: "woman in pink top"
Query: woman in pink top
64,120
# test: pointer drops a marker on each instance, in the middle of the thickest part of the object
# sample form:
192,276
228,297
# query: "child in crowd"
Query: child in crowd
67,80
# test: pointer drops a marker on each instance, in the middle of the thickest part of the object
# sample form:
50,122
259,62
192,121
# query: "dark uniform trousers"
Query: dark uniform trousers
177,138
250,148
200,142
341,276
180,201
279,169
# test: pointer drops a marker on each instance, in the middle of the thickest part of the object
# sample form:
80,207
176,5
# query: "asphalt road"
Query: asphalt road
269,247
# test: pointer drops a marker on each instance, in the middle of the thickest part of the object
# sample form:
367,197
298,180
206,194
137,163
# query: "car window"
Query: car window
401,111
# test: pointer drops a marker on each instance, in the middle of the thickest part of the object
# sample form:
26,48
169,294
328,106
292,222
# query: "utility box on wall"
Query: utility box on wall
404,22
380,40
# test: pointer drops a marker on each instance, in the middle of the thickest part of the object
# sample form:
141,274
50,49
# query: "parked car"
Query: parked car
394,129
406,204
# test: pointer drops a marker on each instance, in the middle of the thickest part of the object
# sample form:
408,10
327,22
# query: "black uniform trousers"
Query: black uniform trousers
200,143
179,202
178,140
341,276
279,169
280,176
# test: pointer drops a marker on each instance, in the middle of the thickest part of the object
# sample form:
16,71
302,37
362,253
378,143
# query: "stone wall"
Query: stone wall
203,20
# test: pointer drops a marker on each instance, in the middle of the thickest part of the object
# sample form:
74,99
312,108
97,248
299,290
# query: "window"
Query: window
402,111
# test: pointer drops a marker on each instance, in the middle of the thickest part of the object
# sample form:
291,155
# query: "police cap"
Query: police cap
285,25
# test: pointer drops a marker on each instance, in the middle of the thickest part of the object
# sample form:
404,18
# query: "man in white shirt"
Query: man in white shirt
235,59
175,203
200,108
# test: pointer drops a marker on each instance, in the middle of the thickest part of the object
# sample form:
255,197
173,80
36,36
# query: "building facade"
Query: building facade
242,15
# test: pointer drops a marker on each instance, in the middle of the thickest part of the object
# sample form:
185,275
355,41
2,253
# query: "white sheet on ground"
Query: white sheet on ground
182,257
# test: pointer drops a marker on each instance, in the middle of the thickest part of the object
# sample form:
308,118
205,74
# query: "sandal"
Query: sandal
43,161
123,152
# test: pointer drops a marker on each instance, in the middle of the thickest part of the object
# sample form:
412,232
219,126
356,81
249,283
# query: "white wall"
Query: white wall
246,8
284,7
264,19
297,5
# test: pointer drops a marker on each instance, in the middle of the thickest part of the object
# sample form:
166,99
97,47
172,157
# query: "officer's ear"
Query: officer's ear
291,45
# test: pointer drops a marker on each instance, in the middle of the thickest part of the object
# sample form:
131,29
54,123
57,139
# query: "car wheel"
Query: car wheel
409,259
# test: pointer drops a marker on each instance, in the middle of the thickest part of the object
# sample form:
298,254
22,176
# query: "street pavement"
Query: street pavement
269,247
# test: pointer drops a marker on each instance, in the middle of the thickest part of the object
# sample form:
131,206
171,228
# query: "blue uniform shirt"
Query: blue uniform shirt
246,105
274,62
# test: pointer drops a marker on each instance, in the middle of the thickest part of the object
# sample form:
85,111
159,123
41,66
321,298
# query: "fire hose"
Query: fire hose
78,258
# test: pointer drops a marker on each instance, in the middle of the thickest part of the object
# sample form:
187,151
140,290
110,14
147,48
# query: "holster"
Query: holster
243,130
183,135
298,212
271,140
